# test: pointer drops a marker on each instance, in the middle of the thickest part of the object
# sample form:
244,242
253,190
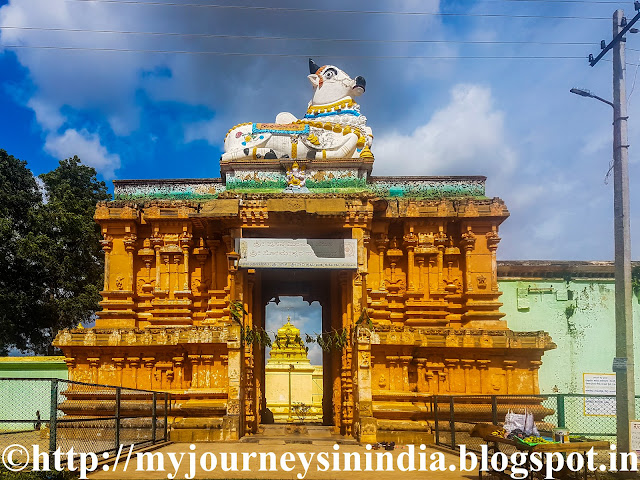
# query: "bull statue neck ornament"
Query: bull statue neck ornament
332,128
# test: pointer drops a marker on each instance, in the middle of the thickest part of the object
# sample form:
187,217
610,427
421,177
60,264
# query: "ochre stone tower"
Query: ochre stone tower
416,255
290,378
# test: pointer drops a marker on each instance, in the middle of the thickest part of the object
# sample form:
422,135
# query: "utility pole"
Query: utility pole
623,364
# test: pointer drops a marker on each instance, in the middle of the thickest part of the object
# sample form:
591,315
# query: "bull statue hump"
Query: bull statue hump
332,127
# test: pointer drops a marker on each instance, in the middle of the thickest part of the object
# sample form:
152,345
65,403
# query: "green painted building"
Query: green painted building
21,397
574,302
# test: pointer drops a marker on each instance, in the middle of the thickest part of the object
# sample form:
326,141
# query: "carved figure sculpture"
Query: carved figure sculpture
296,178
333,126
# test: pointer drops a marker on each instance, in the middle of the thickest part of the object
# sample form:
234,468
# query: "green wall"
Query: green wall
20,399
585,341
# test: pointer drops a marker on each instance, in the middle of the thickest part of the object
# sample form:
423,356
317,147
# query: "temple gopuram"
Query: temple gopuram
404,268
290,380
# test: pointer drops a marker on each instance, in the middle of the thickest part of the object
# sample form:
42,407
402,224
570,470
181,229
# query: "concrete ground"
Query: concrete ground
209,450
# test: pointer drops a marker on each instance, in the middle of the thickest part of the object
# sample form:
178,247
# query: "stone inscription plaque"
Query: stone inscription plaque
297,253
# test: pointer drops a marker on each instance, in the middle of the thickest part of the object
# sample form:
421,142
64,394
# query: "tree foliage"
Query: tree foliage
51,264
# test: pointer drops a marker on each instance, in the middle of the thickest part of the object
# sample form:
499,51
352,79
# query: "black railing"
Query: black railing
55,413
591,416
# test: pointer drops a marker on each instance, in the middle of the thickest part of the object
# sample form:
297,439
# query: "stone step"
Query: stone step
300,440
279,434
293,429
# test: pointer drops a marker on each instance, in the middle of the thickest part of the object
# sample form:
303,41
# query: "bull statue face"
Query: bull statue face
330,84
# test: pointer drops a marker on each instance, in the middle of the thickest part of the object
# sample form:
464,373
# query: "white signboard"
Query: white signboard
297,253
600,384
634,433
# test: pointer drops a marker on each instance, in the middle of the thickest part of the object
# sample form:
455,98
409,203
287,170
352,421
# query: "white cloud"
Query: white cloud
46,114
85,145
464,137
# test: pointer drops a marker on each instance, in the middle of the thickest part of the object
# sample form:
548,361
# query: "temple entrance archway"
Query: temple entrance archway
313,285
293,372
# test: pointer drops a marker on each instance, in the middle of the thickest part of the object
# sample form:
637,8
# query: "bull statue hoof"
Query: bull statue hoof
332,127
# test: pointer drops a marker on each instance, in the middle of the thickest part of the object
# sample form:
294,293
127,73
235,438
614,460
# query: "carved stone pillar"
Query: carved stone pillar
134,363
534,368
410,242
393,380
368,424
119,363
232,421
432,384
468,243
149,363
466,366
405,361
167,271
421,384
483,366
71,365
130,246
440,241
492,243
185,244
207,360
157,244
178,366
509,366
195,374
94,362
176,261
382,242
107,246
451,366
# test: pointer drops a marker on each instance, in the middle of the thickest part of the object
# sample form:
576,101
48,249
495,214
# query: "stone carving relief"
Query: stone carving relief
130,337
206,336
161,338
365,359
90,338
114,338
65,338
193,336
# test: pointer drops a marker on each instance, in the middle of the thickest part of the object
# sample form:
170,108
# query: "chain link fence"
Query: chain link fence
54,413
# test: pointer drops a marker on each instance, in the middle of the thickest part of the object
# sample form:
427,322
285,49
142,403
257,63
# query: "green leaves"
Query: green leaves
237,311
51,262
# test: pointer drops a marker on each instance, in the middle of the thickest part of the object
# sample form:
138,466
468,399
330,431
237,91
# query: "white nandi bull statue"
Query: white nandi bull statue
332,127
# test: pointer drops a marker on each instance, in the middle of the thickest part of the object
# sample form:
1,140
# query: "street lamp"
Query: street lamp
623,364
587,93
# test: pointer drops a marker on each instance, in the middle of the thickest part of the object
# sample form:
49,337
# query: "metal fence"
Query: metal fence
54,413
591,416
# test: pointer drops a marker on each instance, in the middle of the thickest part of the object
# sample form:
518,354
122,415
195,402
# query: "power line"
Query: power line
318,10
592,2
309,39
243,54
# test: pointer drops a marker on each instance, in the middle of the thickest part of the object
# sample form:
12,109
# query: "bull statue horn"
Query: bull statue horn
313,68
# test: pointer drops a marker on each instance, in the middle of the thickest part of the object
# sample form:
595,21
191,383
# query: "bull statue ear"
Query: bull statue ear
313,68
314,79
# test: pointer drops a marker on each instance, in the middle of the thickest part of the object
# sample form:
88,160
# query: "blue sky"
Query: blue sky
307,317
155,115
